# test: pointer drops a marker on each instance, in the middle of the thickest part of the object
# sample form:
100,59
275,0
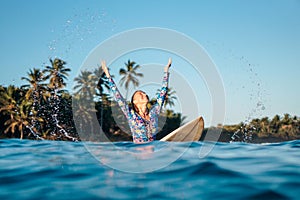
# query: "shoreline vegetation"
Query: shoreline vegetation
43,109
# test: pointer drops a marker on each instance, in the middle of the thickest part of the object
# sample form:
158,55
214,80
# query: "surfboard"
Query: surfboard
191,131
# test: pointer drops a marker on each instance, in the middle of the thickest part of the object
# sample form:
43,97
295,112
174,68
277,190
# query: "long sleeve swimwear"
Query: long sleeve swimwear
142,130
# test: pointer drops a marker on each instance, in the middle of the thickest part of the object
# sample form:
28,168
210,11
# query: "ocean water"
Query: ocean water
159,170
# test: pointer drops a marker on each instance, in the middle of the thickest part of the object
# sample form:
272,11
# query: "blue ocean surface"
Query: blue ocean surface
159,170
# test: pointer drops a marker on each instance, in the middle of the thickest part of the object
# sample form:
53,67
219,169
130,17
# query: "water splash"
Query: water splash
79,31
30,128
244,133
76,34
62,130
251,84
246,130
50,111
32,114
54,107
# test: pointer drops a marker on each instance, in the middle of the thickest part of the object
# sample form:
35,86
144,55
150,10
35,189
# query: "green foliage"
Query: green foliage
276,129
27,112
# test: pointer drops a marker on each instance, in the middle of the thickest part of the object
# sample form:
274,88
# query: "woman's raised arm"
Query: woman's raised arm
117,95
164,90
168,65
104,68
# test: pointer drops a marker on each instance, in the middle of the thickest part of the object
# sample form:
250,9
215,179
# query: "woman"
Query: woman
143,122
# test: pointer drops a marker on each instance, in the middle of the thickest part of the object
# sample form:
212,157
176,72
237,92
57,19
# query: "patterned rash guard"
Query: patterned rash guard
142,130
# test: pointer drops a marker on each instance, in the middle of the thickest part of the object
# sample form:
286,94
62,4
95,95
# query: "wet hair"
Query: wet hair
132,104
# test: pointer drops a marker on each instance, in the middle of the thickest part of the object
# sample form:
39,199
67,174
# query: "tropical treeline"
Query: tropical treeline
276,129
42,108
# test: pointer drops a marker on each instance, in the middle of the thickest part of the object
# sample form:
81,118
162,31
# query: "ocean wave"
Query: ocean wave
71,170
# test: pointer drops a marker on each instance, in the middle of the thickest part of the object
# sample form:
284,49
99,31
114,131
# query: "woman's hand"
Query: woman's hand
168,65
104,68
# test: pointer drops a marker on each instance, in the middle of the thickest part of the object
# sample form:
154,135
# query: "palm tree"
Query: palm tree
170,97
21,119
57,73
34,79
255,124
85,84
265,128
84,111
129,75
102,80
9,101
36,89
286,119
18,109
275,124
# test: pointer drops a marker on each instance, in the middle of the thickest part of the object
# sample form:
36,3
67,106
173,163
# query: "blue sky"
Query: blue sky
254,44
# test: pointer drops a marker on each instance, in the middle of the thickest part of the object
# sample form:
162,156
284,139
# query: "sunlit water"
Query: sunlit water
67,170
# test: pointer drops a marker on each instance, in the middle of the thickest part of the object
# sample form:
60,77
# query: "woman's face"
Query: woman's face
140,97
